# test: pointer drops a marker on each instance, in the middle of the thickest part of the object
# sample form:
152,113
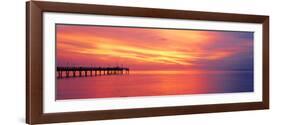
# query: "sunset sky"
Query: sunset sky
153,49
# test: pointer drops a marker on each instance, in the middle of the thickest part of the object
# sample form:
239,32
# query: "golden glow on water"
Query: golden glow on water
170,72
143,83
166,72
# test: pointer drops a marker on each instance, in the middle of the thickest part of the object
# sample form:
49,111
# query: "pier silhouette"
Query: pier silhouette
67,72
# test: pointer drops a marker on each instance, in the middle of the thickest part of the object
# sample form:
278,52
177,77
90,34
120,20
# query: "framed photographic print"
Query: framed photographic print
96,62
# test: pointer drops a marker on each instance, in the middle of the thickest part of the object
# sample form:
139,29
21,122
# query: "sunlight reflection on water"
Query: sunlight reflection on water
155,83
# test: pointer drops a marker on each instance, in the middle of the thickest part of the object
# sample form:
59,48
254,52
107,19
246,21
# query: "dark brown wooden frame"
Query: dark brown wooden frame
34,61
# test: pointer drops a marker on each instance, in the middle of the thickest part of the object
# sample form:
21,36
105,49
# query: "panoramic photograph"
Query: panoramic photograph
112,61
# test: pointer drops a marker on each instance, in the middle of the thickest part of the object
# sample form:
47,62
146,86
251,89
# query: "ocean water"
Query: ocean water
154,83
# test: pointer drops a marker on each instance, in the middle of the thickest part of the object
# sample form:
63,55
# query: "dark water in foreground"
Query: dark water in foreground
154,84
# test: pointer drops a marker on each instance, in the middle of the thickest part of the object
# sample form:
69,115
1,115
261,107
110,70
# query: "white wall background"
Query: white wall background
12,64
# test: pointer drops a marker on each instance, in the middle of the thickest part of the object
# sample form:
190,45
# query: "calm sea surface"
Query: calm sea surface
154,83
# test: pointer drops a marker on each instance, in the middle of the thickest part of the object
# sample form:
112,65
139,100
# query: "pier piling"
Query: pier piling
66,72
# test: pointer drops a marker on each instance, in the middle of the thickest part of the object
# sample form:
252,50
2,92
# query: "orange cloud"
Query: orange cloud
164,46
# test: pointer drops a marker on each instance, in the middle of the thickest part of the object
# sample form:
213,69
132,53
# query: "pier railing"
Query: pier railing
66,72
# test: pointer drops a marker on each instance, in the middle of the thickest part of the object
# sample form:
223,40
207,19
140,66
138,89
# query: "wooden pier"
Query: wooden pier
66,72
